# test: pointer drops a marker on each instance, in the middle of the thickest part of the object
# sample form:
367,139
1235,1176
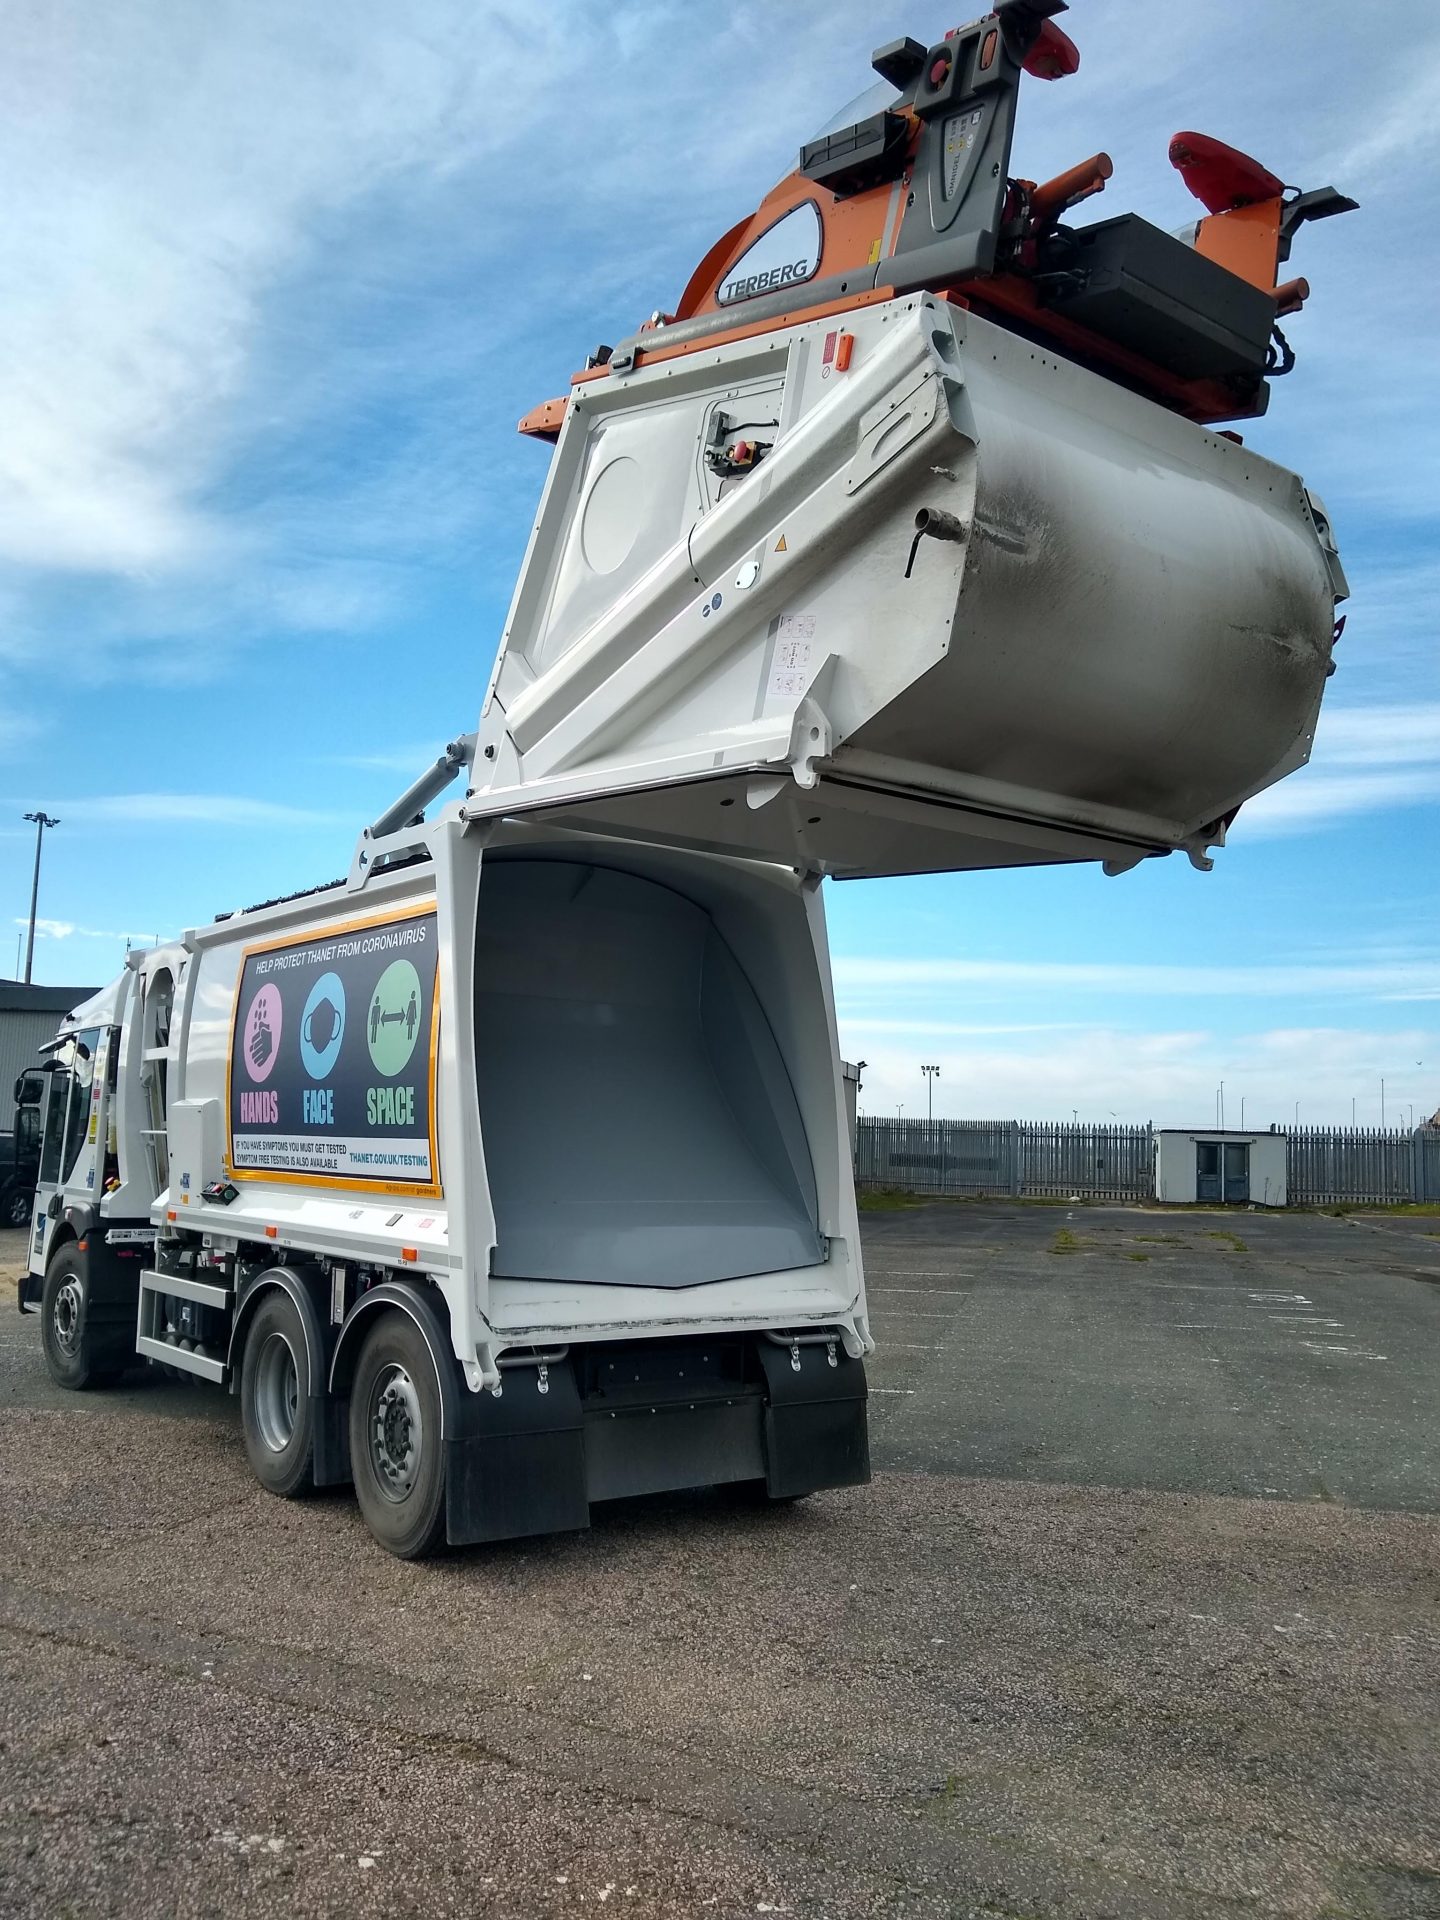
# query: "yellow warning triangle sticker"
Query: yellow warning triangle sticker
780,546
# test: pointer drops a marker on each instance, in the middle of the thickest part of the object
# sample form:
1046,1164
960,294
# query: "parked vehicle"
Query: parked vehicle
20,1153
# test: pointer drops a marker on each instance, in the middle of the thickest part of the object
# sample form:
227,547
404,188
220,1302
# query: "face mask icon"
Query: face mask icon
321,1024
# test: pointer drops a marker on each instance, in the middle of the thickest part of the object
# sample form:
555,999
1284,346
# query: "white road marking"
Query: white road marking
914,1313
909,1392
930,1293
1353,1353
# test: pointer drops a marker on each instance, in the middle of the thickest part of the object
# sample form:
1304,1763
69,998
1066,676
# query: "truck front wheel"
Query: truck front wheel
397,1454
275,1403
78,1353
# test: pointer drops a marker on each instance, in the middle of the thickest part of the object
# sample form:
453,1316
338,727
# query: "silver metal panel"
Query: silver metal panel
213,1370
1122,633
184,1289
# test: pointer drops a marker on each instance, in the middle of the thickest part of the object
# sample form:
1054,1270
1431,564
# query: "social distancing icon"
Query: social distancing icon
394,1017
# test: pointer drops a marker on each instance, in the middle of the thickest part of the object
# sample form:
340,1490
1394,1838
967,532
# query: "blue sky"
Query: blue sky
281,277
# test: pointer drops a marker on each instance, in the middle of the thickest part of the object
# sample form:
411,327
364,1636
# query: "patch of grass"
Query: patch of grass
1232,1240
1065,1242
1413,1209
1137,1256
893,1199
1161,1239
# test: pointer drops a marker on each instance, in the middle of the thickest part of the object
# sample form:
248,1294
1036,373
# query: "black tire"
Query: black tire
276,1409
397,1453
16,1206
79,1353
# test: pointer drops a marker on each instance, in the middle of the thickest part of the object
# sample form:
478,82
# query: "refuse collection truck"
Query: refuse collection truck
510,1173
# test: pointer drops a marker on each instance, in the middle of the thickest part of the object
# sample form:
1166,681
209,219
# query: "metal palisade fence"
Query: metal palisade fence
1378,1165
977,1157
1327,1165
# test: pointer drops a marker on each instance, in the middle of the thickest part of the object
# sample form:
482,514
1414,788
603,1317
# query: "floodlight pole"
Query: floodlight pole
42,820
929,1073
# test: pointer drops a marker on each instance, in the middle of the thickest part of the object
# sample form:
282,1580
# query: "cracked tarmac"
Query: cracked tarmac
1138,1617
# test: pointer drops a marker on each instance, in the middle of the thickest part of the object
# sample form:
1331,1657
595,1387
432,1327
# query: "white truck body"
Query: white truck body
616,1145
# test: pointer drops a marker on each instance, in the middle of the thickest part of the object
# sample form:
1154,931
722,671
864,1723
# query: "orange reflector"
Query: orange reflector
83,1246
987,48
271,1233
409,1253
844,347
172,1216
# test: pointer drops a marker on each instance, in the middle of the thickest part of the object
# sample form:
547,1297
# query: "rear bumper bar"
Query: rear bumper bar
610,1421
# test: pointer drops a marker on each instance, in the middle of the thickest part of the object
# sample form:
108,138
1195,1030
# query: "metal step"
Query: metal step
151,1342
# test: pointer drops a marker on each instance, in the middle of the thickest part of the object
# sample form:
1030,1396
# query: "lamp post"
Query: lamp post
1402,1070
42,820
930,1075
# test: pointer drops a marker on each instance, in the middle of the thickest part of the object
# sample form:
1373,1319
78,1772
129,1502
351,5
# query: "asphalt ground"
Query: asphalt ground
1139,1616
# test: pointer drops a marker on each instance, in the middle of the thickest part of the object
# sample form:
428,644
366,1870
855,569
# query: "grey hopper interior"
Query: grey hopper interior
639,1123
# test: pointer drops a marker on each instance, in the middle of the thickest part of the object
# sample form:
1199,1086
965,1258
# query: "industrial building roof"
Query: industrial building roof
17,997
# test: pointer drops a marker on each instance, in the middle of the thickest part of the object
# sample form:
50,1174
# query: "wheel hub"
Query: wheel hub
277,1393
69,1306
396,1433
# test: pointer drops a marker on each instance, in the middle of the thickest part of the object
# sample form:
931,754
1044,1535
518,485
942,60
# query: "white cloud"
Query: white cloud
1380,735
163,168
200,810
67,930
1365,760
858,979
1169,1076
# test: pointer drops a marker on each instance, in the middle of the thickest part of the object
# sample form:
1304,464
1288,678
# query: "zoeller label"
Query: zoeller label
332,1056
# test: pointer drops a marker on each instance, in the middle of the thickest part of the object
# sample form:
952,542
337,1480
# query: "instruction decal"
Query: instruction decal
332,1056
790,668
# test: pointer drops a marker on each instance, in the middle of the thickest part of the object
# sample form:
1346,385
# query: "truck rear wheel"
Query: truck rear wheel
275,1403
78,1353
397,1453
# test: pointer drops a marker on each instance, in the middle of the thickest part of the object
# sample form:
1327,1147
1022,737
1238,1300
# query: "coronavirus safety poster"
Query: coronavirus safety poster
332,1056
